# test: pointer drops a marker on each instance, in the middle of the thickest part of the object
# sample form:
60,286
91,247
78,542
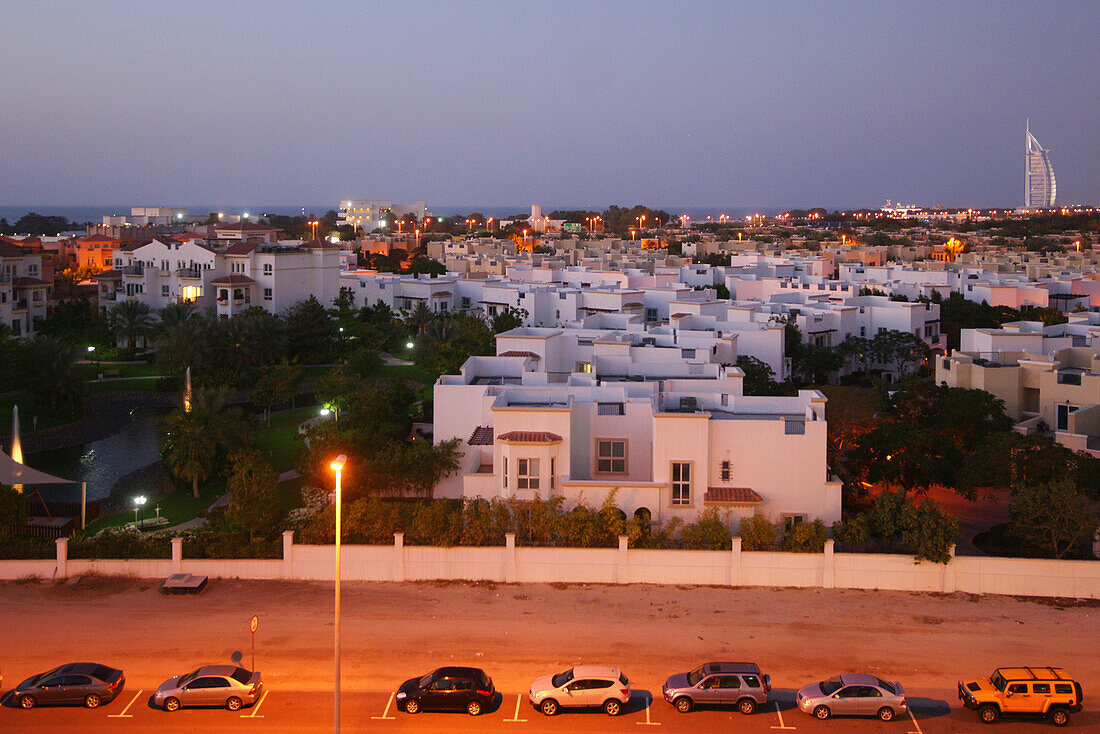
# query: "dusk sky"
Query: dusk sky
768,104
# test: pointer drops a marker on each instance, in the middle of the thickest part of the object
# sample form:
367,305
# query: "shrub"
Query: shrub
710,532
805,537
851,533
757,533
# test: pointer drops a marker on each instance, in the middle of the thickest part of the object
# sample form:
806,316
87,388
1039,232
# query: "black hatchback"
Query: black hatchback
447,689
87,684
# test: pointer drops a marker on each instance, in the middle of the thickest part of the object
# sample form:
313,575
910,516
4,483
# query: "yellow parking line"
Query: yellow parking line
515,717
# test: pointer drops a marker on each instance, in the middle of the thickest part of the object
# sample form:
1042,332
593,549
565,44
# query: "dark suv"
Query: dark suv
447,689
723,684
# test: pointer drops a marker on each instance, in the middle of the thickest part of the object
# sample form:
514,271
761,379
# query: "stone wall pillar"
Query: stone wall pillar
288,554
828,574
398,556
62,570
621,570
177,555
509,558
735,562
950,583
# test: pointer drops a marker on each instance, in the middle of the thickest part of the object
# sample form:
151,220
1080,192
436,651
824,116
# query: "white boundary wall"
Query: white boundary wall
509,564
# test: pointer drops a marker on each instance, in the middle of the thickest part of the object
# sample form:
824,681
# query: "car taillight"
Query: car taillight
114,685
624,691
255,687
484,693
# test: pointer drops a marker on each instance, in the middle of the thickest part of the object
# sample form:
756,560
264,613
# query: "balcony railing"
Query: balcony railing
194,273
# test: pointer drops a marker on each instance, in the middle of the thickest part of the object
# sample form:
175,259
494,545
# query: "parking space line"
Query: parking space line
914,718
780,715
386,713
515,717
122,714
255,709
647,722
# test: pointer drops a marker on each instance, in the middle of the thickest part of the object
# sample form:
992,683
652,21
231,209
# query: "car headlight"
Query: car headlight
402,694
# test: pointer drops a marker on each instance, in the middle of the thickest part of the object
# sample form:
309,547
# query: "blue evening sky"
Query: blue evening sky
776,104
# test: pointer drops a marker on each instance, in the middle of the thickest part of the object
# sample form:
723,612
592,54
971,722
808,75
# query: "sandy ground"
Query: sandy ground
517,632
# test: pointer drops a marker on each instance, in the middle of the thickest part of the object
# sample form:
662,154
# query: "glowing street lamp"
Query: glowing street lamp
337,466
139,502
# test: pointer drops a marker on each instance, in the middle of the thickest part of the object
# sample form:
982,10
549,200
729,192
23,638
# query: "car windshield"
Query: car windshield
997,680
696,675
888,687
426,680
187,678
561,679
831,686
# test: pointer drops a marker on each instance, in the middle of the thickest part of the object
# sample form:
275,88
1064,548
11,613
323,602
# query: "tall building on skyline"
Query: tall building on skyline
1040,188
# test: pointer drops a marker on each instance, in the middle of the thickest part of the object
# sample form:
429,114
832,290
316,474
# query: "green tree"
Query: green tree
1054,515
759,376
130,321
13,509
310,333
58,384
815,363
183,344
508,319
277,385
196,442
252,486
899,348
757,533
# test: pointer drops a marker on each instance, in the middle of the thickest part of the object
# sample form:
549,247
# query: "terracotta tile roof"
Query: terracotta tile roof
482,436
442,294
518,353
241,248
530,437
233,280
29,281
680,315
632,304
731,496
9,249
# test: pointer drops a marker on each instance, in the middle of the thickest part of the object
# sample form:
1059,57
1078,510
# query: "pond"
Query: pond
102,463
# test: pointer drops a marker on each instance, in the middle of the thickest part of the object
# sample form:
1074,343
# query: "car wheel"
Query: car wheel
822,712
746,706
27,702
549,707
412,706
1059,716
171,704
473,708
233,703
684,704
611,707
886,713
92,700
988,714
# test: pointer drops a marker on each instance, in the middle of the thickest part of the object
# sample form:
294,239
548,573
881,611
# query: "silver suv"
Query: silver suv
725,684
584,686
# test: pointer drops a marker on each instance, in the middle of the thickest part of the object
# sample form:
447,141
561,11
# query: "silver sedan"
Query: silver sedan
210,685
852,694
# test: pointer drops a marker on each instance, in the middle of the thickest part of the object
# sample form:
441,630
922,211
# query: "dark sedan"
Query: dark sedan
447,689
88,684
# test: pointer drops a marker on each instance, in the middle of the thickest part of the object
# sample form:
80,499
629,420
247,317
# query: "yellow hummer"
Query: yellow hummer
1049,692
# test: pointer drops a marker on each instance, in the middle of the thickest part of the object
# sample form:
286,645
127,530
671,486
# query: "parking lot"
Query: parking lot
311,711
518,632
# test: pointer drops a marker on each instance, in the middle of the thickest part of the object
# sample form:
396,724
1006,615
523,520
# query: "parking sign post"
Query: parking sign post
253,625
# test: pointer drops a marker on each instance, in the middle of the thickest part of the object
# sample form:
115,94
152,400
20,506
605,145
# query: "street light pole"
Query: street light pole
337,466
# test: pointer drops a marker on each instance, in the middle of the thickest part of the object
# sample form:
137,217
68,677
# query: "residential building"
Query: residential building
23,292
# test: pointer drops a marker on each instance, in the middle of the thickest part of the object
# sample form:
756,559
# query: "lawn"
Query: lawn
144,369
409,372
178,506
281,443
142,383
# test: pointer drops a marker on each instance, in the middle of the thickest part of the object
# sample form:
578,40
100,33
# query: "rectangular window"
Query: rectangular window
164,291
583,367
724,470
553,473
506,472
609,409
267,268
681,483
789,521
611,456
528,477
794,427
1063,688
1040,688
267,294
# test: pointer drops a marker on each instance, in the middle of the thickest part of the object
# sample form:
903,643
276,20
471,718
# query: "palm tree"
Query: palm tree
196,442
418,318
58,384
130,320
175,313
184,344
